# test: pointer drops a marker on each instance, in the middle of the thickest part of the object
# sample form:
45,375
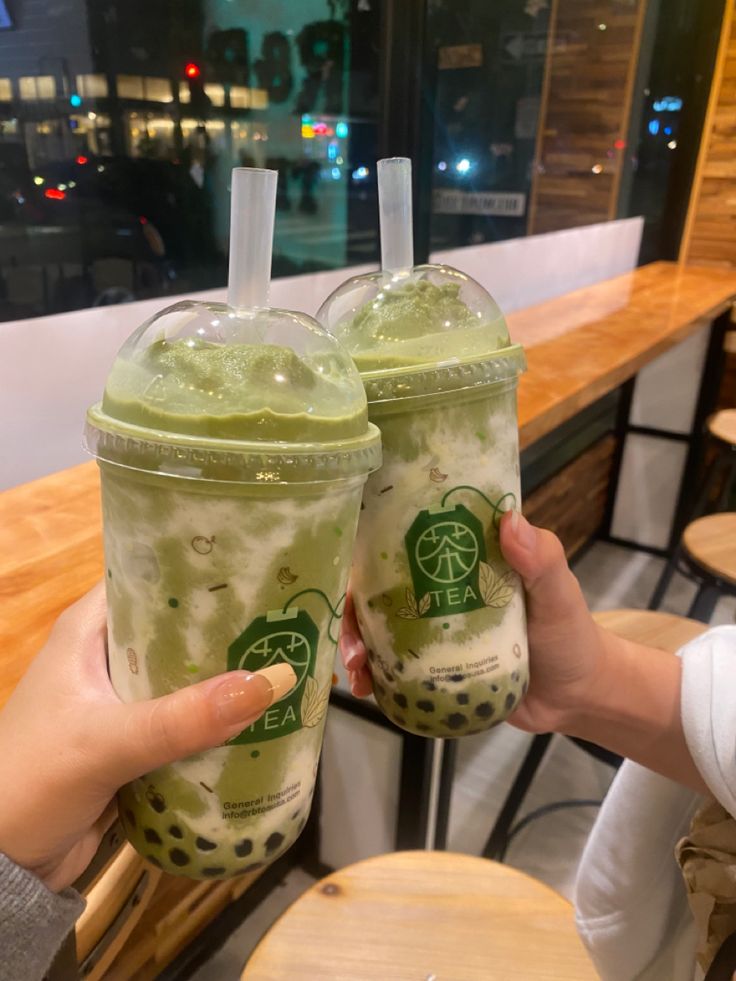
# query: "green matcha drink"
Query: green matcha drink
233,447
440,611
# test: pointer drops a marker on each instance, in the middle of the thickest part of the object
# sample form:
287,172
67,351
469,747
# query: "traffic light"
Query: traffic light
199,101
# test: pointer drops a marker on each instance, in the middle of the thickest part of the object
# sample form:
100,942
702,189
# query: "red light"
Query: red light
54,193
142,219
81,160
192,70
619,144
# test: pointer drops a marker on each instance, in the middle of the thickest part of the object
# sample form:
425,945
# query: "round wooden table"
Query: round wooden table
424,916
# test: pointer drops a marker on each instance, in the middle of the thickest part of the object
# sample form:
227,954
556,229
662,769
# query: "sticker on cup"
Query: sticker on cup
446,550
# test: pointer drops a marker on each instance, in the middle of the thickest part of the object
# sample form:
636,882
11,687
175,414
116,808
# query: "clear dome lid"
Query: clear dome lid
428,329
207,391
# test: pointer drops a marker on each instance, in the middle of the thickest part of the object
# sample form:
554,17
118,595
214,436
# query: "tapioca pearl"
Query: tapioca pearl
204,844
423,727
213,870
295,815
494,688
244,848
157,801
179,857
130,817
455,720
462,698
254,867
510,701
525,688
274,841
515,675
389,677
175,831
399,667
399,719
456,677
152,836
154,861
400,700
424,705
485,710
429,685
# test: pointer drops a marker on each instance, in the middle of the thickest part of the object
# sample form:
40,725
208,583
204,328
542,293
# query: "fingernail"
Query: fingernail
242,698
524,533
354,659
281,678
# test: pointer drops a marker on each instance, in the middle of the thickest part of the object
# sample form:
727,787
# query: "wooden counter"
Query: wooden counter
579,347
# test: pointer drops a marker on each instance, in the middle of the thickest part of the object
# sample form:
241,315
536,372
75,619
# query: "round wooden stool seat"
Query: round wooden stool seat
711,543
421,916
722,425
665,631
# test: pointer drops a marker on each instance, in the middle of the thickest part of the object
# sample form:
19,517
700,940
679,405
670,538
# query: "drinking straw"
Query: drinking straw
394,209
252,212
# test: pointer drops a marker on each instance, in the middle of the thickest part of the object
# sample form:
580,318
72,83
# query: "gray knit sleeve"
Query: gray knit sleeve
33,922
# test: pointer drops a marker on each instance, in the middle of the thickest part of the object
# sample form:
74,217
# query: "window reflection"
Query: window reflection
116,148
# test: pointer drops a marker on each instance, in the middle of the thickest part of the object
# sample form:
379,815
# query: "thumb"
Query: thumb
553,592
149,734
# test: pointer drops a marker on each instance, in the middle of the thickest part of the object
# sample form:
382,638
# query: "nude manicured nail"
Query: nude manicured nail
280,677
242,698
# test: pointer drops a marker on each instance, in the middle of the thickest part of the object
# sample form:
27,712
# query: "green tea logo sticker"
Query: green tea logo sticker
445,546
447,558
289,636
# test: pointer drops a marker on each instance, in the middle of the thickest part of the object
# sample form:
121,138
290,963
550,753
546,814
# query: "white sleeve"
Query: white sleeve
709,710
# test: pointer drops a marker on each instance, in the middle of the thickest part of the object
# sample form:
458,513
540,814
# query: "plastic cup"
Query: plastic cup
233,447
441,612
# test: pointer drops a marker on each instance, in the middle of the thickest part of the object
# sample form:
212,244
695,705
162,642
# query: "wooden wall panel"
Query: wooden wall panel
592,57
710,229
573,502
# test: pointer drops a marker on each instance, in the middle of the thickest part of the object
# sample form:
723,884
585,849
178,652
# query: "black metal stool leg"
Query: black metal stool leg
722,463
704,603
665,579
498,838
728,480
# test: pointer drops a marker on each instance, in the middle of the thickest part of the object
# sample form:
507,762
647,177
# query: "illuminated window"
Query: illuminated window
259,98
130,86
184,93
240,97
215,93
33,87
158,90
6,90
92,86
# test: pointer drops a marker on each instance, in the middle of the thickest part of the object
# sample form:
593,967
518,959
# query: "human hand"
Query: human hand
566,647
565,643
67,743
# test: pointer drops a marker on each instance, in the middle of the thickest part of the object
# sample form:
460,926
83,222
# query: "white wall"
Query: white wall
52,368
525,271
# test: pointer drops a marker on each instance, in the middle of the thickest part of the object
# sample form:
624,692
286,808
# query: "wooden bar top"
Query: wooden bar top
579,346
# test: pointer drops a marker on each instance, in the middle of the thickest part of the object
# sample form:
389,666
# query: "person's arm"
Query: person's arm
584,681
33,921
67,744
